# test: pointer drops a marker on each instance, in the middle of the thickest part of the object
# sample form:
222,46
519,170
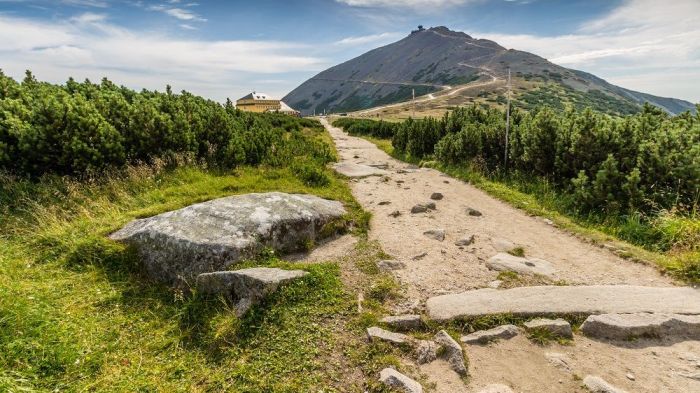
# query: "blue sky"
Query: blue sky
222,49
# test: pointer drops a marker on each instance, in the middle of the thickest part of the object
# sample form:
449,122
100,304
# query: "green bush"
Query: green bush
85,127
367,127
646,162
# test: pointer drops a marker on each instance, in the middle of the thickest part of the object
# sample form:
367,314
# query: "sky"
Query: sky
221,49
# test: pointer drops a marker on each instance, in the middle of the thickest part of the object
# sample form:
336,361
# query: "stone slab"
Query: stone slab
485,336
548,300
358,170
626,326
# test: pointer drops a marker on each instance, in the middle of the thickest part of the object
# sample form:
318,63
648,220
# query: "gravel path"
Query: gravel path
435,267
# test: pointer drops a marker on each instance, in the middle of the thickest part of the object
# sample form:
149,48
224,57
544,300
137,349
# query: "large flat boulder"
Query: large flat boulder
358,170
626,326
246,287
211,236
548,300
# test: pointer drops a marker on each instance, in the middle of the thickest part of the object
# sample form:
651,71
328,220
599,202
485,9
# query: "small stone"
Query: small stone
377,333
503,245
495,284
446,181
419,256
559,360
355,156
419,209
486,336
548,221
396,380
496,388
465,241
389,265
558,327
436,234
630,376
507,262
395,213
451,351
473,212
383,203
426,351
403,322
598,385
436,196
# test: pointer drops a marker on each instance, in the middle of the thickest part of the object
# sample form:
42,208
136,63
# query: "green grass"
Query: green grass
517,251
77,313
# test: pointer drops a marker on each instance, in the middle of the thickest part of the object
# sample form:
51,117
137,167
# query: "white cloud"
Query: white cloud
369,39
178,13
142,59
88,17
86,3
416,4
639,45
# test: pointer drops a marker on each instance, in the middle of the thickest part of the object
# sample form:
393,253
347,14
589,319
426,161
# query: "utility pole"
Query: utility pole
413,92
505,155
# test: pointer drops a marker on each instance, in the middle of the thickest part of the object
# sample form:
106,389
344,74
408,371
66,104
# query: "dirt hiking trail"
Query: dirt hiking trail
434,267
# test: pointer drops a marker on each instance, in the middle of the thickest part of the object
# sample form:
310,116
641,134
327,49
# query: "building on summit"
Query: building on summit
261,102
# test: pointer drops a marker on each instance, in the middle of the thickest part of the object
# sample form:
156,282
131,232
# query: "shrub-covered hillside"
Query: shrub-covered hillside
77,127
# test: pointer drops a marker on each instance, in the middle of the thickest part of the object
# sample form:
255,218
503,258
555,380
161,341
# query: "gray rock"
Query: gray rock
580,299
451,351
246,287
436,196
437,234
177,246
396,380
384,203
520,265
380,165
395,213
358,170
486,336
423,207
558,327
377,333
626,326
465,241
389,265
403,322
495,284
558,360
426,351
496,388
473,212
419,256
503,245
419,209
598,385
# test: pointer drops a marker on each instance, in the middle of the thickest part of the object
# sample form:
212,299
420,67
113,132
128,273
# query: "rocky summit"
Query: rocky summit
211,236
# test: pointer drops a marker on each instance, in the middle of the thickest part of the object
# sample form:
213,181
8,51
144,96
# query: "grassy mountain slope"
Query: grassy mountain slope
437,60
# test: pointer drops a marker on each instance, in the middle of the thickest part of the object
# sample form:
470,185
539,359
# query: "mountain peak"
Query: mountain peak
445,31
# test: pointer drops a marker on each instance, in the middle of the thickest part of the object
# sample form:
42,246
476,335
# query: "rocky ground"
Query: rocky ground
448,237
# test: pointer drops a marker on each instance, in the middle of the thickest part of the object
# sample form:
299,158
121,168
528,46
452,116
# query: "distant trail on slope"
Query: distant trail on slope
380,82
448,91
